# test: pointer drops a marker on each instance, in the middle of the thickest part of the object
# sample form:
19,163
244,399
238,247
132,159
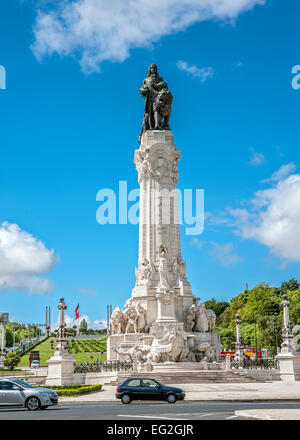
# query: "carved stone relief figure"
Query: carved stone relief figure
201,319
172,347
190,317
132,316
145,271
138,351
165,276
117,321
179,267
141,320
211,316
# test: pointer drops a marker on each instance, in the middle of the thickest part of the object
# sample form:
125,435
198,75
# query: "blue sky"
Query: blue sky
70,118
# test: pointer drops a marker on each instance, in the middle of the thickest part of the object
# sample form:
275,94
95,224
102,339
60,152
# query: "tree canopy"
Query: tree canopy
260,304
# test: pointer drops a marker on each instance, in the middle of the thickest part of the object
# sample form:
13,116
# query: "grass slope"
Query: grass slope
82,350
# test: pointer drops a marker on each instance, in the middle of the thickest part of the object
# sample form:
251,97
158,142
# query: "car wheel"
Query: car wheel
126,399
43,407
33,404
171,398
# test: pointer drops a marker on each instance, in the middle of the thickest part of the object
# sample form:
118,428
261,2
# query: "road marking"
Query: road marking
205,415
231,417
149,417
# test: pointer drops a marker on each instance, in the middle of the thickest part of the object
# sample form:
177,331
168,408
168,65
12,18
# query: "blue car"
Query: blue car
147,389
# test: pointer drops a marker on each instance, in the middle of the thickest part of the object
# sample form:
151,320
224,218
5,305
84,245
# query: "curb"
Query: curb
97,402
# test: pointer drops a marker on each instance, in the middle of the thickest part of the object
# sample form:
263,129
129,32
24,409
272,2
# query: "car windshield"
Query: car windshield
23,384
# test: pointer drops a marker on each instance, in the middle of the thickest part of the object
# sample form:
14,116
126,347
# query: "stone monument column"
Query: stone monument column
3,338
288,358
61,364
161,282
153,324
3,322
239,354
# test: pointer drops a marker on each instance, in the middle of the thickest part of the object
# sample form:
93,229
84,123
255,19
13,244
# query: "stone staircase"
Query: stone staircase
189,377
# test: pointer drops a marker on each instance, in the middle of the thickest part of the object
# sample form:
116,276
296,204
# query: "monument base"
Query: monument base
289,366
119,346
60,370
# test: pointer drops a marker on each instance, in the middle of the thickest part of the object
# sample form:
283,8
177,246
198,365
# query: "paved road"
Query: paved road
144,411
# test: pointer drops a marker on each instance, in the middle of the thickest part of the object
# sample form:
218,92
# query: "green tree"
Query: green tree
292,284
227,337
11,360
294,307
262,301
18,329
83,326
217,306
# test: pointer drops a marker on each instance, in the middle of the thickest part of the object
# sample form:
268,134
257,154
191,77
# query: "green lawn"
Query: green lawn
81,351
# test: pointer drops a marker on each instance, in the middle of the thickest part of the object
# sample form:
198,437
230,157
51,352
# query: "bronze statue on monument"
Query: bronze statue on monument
158,100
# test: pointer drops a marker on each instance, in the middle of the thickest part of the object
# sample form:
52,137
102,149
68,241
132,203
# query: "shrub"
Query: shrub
74,390
11,360
8,369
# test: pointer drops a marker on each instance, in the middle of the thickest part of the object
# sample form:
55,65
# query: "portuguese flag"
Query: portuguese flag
77,312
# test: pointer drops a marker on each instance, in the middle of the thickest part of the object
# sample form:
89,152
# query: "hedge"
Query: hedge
74,390
63,387
7,369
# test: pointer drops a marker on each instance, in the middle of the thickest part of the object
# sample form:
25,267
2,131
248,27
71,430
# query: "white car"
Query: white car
35,364
15,392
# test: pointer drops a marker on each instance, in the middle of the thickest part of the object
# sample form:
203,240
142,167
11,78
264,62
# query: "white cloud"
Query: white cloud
195,242
22,258
256,159
202,73
284,171
99,30
224,253
70,322
216,218
273,219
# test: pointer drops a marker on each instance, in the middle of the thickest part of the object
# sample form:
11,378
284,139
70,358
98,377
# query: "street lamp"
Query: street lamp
14,339
275,328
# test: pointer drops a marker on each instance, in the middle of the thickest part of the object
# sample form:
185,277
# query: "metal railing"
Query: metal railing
104,367
255,364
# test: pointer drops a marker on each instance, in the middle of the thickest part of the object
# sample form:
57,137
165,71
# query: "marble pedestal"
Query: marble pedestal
60,370
289,366
165,308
